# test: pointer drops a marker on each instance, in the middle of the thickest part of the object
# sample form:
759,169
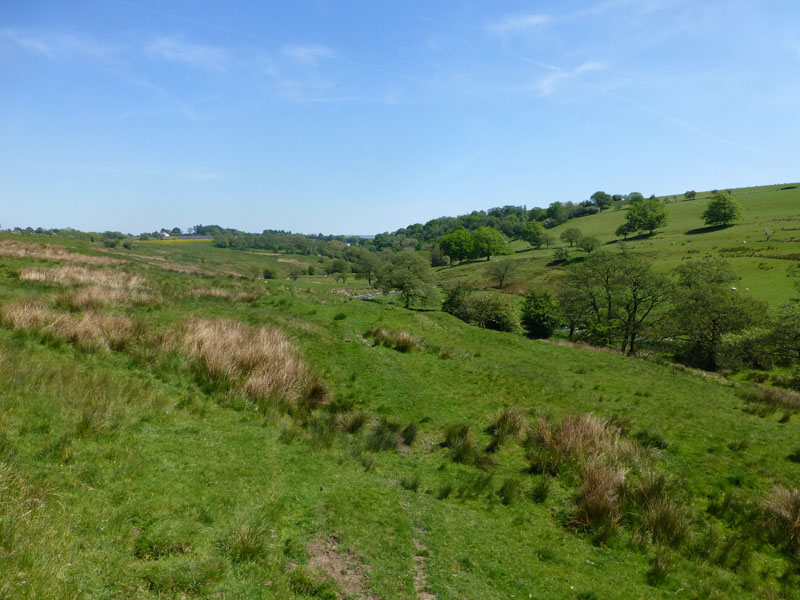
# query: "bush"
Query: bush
269,273
539,314
490,311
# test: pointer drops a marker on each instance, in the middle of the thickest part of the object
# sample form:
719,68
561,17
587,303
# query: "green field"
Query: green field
134,466
767,268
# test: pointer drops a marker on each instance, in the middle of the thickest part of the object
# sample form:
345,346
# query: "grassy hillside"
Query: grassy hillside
768,268
171,426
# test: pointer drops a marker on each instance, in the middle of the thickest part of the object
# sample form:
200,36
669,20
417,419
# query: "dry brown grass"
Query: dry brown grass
784,509
398,340
74,275
95,297
89,330
598,507
262,362
18,249
234,296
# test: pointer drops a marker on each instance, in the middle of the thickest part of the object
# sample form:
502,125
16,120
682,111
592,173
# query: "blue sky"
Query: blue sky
360,116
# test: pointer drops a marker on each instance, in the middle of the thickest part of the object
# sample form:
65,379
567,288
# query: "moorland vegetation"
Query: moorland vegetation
287,416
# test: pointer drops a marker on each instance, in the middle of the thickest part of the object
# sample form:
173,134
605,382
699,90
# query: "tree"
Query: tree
624,230
601,200
487,242
367,266
534,234
707,308
502,269
722,209
690,195
438,258
614,298
635,197
587,243
539,314
409,274
571,235
647,215
458,245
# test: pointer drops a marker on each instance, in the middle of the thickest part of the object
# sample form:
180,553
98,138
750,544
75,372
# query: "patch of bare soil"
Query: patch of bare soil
420,559
349,573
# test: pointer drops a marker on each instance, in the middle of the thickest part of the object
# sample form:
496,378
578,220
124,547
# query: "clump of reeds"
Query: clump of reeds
76,275
261,362
508,423
397,340
783,509
89,330
770,396
233,296
598,506
19,249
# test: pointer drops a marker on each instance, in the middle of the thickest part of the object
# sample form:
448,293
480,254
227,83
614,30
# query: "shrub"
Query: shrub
539,314
490,311
269,273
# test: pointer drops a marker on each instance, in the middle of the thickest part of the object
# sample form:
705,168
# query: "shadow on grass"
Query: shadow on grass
567,262
708,229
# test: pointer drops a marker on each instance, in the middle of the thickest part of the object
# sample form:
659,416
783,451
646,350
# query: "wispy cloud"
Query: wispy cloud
58,46
551,83
307,53
686,125
177,50
518,24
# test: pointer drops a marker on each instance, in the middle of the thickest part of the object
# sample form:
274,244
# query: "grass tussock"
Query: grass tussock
261,362
91,331
233,296
783,510
18,249
69,275
773,397
508,423
598,506
397,340
96,297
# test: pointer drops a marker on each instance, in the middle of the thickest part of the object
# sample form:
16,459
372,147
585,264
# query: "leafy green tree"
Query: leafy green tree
635,197
707,308
539,314
534,234
613,298
601,200
502,269
690,195
624,230
571,235
490,311
488,242
722,209
458,245
367,266
409,274
588,243
647,215
561,254
438,258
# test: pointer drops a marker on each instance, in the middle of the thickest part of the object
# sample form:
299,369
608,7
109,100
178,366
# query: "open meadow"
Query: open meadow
173,425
